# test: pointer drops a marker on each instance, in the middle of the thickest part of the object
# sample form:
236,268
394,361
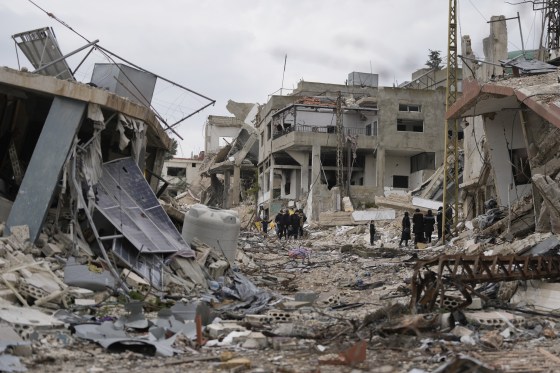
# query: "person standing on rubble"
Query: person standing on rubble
265,222
371,232
279,225
294,225
286,220
439,221
429,222
418,226
405,235
448,220
303,219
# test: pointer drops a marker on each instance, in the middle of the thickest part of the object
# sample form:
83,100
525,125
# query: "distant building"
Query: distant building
182,173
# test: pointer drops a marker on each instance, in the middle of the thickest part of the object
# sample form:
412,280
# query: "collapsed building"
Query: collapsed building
231,148
82,161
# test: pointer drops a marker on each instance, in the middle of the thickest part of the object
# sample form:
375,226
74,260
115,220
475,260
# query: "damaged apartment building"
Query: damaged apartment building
231,154
80,160
363,139
510,111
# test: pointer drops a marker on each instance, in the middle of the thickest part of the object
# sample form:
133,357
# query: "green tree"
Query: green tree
434,60
172,150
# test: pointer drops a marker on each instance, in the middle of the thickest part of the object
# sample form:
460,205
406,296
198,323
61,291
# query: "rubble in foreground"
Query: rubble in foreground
340,305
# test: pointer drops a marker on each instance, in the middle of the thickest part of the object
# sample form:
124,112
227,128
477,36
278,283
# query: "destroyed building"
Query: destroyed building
82,161
182,174
390,140
231,154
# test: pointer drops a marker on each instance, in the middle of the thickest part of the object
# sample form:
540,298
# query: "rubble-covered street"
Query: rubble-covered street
329,302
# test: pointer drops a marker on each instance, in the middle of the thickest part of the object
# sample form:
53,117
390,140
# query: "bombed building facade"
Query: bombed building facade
362,139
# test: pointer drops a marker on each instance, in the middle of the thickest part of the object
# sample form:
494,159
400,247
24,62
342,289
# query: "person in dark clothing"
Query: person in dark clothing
294,224
448,220
429,222
418,226
303,219
285,219
265,221
405,235
371,232
279,224
439,221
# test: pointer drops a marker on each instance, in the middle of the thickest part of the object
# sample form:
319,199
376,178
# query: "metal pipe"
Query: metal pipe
66,56
156,75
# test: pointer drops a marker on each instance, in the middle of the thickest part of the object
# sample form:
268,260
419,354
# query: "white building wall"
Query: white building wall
396,165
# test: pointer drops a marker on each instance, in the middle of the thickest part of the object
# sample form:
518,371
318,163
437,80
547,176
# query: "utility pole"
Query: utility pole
339,144
451,161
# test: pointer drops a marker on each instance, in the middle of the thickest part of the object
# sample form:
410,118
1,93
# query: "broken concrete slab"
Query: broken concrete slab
427,204
10,363
81,276
367,215
540,295
9,338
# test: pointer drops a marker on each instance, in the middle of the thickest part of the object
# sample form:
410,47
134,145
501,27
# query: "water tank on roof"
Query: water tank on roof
363,79
216,228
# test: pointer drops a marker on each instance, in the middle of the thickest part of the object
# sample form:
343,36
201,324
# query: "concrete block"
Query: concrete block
306,297
223,328
495,319
255,340
258,318
218,268
279,316
367,215
51,249
294,305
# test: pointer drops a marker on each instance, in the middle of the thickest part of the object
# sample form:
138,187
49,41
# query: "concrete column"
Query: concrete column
271,179
380,168
225,198
236,185
312,205
305,174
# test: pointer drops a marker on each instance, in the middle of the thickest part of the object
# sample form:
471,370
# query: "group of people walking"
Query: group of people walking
289,223
423,226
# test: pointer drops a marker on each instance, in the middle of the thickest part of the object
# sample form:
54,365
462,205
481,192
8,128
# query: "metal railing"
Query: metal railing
322,129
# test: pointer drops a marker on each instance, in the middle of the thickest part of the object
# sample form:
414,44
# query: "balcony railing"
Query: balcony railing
322,129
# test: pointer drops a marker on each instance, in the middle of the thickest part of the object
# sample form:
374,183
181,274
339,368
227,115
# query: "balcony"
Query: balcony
301,137
351,131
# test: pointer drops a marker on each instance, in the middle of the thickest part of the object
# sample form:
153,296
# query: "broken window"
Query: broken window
400,181
520,166
410,108
410,125
423,161
268,131
176,171
193,165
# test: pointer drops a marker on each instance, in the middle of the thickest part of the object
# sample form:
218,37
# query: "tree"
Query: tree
172,150
434,60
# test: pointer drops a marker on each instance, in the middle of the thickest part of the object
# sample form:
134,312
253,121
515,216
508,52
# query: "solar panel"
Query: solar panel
40,47
125,198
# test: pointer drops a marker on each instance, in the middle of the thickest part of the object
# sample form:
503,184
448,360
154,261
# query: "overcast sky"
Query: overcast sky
234,49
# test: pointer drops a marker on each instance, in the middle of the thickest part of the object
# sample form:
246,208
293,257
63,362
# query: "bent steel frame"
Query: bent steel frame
433,278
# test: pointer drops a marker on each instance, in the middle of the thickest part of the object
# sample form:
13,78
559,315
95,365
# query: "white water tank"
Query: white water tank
217,228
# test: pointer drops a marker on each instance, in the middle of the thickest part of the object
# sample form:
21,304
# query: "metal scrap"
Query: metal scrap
447,273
